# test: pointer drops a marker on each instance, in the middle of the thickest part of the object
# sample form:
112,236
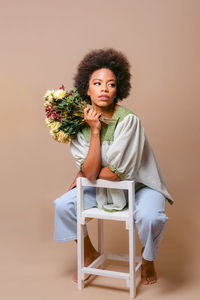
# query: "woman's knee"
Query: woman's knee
154,220
65,204
150,207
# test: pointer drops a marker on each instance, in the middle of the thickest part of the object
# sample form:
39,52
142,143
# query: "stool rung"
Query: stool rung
138,266
120,257
105,273
98,261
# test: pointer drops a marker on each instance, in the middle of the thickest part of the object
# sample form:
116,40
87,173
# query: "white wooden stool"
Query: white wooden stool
125,215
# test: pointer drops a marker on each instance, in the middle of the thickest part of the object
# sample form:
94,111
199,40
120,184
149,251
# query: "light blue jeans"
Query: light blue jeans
149,216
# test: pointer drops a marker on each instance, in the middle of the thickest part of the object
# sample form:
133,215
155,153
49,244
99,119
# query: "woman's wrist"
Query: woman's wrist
95,131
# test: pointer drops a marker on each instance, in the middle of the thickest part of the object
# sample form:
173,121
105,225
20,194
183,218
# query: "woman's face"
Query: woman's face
102,87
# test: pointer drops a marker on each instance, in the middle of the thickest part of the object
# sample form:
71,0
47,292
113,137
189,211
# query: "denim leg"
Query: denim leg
65,221
150,218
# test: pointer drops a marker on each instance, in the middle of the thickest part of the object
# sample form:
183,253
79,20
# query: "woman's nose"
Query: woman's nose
104,87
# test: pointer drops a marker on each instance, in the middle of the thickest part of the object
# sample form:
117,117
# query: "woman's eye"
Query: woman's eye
110,84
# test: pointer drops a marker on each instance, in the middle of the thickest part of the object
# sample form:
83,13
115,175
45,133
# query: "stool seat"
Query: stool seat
98,213
125,215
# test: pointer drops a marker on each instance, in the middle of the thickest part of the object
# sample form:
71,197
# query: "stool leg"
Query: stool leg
132,243
132,261
80,235
80,245
100,236
100,239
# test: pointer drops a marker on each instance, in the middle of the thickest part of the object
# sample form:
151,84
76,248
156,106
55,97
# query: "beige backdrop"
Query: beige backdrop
42,43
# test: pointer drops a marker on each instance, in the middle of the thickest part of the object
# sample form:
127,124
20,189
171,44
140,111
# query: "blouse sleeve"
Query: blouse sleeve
79,149
125,153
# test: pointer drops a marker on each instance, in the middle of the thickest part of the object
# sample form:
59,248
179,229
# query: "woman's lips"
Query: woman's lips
104,97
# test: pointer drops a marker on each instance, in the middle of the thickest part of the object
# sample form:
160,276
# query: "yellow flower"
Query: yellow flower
48,102
52,133
50,99
62,137
48,122
49,93
54,126
59,94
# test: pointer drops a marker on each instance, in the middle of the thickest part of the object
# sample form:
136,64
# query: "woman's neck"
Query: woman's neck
106,111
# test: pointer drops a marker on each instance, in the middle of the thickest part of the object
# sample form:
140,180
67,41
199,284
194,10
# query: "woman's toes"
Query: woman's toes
151,280
148,274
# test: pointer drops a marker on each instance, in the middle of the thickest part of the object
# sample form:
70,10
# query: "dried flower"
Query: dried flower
64,113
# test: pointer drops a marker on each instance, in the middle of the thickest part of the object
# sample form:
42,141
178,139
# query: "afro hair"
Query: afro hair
104,58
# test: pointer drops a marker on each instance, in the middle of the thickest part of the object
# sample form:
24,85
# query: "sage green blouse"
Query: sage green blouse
126,151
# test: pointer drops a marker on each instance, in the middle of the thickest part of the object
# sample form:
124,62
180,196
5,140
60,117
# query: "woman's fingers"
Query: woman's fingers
97,115
94,114
92,118
86,110
91,114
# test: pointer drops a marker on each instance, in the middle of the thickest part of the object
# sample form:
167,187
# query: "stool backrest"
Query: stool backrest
122,185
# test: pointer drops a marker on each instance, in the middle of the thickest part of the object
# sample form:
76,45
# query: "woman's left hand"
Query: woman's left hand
79,174
107,174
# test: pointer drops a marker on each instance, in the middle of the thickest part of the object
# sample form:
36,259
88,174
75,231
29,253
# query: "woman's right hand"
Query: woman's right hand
92,118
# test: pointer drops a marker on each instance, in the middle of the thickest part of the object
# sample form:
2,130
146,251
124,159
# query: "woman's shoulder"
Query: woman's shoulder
123,114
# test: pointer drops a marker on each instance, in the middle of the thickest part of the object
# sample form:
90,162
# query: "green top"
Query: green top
107,130
127,152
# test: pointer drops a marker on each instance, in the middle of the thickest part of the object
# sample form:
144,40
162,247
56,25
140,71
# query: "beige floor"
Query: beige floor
39,268
42,44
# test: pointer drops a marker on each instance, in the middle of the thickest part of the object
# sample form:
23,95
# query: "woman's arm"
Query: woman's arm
92,164
79,174
107,174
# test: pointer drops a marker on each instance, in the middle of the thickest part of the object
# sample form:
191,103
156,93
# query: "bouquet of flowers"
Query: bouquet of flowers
64,114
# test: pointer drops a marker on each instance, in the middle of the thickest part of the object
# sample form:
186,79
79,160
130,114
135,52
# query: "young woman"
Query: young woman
114,151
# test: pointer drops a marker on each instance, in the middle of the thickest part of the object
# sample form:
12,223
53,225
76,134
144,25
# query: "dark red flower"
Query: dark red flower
62,87
51,112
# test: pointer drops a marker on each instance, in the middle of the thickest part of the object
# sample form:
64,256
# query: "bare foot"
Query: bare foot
148,273
87,262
